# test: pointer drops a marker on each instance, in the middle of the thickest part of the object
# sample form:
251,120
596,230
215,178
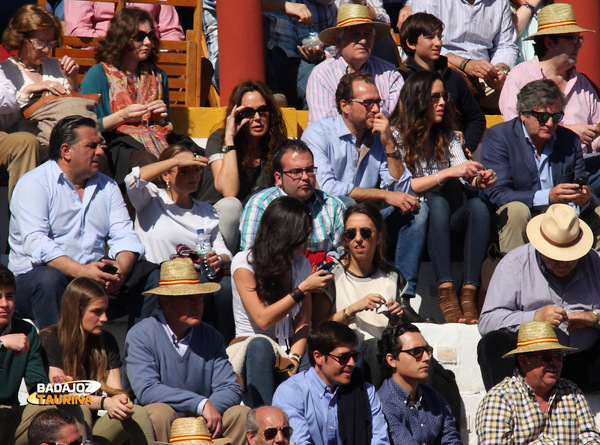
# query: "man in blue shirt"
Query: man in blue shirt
416,413
331,403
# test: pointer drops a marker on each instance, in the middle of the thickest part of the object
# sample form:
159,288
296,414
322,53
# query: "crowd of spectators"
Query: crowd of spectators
303,310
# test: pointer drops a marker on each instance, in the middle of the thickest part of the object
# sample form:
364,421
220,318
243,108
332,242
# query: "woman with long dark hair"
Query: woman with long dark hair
432,152
78,348
272,286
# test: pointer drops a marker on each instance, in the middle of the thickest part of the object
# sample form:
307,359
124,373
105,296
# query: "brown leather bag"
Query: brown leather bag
47,97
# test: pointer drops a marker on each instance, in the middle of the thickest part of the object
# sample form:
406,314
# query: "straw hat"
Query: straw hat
559,234
557,18
350,14
193,431
178,277
537,336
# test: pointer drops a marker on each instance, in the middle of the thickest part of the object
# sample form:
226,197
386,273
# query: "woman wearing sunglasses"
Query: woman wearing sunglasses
448,184
78,348
240,153
272,287
168,217
34,32
366,290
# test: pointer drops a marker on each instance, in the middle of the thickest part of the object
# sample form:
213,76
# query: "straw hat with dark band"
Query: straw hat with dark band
193,431
178,278
559,234
537,336
350,14
557,18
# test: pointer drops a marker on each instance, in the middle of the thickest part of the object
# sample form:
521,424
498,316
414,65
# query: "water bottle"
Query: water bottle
203,247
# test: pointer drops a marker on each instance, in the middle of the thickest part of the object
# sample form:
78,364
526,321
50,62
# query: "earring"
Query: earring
168,185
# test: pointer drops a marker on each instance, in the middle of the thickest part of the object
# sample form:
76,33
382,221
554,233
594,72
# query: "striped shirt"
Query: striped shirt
481,31
510,414
324,79
326,210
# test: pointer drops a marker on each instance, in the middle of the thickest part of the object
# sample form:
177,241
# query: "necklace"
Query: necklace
20,62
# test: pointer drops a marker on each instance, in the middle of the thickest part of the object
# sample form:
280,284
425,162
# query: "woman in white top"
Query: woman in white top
34,32
167,215
272,287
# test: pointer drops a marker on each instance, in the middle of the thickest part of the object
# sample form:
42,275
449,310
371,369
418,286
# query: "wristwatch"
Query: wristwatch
227,148
396,154
596,313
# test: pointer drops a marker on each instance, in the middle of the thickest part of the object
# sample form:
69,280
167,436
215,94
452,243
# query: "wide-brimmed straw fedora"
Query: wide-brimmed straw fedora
537,336
178,277
557,18
193,431
350,14
559,234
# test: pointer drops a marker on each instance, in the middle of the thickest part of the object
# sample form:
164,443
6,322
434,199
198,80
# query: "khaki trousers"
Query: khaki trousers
19,153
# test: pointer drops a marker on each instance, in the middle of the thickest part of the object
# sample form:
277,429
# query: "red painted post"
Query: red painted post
587,14
241,47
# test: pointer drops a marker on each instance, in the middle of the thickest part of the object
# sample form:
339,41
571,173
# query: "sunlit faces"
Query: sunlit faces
292,162
541,131
141,43
83,157
410,368
259,123
565,50
183,180
437,106
186,309
7,305
332,372
356,43
361,248
269,420
539,374
357,114
28,52
428,48
94,316
560,269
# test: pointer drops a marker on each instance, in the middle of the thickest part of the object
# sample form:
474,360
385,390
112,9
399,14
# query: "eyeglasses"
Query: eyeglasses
141,36
365,233
418,352
296,173
549,357
186,170
41,44
574,38
435,97
75,442
542,117
249,113
270,433
344,358
369,103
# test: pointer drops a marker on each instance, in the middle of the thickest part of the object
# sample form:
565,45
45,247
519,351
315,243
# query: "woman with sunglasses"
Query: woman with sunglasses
365,291
240,153
33,33
78,348
272,287
168,217
423,128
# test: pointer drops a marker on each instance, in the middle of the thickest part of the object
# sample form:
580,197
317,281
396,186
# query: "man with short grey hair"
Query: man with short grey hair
538,163
268,425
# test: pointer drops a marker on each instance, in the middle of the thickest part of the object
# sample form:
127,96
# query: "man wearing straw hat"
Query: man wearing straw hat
353,36
554,278
177,365
535,405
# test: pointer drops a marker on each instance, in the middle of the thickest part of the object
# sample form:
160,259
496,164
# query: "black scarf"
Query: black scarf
354,412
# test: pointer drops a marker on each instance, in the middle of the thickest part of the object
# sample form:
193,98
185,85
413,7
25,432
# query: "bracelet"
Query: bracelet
438,179
102,402
463,64
530,7
294,356
396,154
346,316
297,295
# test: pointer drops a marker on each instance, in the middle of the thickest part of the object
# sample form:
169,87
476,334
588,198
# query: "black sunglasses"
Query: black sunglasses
418,352
344,358
270,433
549,357
435,97
365,232
249,113
75,442
141,36
542,117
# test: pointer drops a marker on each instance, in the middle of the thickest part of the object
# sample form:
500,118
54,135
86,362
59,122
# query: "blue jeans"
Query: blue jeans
218,308
261,380
412,230
473,219
289,76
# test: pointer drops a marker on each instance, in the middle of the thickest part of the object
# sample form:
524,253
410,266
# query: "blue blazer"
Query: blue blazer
505,150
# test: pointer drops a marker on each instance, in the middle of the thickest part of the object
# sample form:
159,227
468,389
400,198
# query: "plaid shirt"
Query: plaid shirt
510,414
327,212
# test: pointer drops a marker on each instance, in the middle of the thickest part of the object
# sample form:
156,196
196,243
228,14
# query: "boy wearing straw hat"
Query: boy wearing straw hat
554,278
177,365
353,36
535,404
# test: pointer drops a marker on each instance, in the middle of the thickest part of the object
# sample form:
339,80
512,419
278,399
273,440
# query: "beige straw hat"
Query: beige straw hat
559,234
193,431
557,18
350,14
537,336
178,277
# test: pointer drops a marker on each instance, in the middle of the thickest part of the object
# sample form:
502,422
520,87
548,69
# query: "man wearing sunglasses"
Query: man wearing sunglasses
268,425
415,412
331,403
54,427
538,163
535,405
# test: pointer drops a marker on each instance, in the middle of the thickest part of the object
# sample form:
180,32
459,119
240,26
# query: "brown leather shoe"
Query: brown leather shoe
468,303
448,304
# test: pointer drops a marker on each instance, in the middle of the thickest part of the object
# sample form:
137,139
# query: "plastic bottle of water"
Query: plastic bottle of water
203,247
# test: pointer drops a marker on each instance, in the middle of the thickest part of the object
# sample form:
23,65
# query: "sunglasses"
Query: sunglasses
365,233
435,97
418,352
542,117
344,358
40,44
141,36
190,168
549,357
75,442
297,173
572,37
249,113
369,103
270,433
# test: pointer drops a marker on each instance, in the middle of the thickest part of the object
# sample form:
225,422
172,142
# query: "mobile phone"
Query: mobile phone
109,268
327,266
582,180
